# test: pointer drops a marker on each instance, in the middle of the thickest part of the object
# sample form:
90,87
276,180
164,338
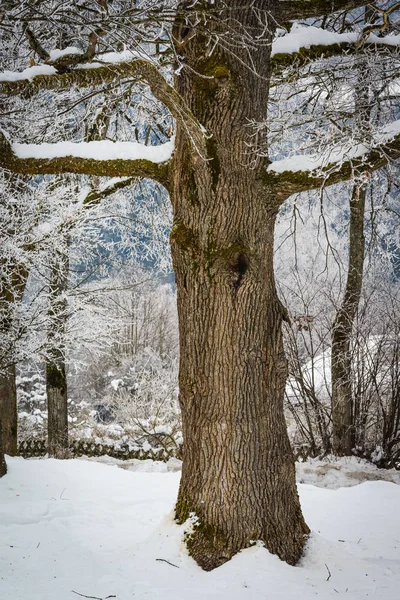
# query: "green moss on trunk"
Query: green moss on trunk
56,377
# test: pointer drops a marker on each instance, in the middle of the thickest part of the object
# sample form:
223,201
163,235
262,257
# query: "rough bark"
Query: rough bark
56,380
342,419
238,471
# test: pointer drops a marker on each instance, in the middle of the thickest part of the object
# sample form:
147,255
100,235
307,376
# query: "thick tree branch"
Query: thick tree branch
292,182
93,77
84,166
304,56
290,10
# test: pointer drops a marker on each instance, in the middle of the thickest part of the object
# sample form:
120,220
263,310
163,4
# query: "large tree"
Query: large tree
238,473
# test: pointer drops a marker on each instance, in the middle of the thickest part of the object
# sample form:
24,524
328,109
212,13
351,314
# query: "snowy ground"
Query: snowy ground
81,527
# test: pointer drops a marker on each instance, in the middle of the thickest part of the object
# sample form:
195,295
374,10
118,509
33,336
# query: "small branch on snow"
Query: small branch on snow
329,573
167,561
93,597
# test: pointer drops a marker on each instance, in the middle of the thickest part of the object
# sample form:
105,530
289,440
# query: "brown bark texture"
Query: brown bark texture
56,379
238,473
342,396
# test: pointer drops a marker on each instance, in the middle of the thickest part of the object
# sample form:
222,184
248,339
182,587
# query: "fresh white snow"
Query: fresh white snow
104,150
95,529
28,73
301,36
57,53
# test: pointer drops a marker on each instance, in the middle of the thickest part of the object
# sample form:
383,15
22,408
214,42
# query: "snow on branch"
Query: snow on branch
306,172
50,67
103,159
96,74
304,44
103,150
301,36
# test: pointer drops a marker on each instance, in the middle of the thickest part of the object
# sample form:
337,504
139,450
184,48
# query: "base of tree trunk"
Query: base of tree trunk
211,547
59,451
3,465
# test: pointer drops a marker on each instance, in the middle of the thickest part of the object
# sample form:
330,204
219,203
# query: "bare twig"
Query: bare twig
167,561
93,597
329,573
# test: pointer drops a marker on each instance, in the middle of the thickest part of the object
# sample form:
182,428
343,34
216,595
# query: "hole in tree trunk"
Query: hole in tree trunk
239,266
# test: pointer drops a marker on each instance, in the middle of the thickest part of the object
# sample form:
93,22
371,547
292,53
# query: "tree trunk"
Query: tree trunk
56,380
3,466
56,385
12,287
342,413
342,395
238,473
8,410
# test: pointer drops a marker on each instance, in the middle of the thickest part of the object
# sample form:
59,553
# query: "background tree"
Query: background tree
3,466
238,472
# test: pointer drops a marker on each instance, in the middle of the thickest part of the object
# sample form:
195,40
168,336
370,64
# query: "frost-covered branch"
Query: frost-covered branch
45,77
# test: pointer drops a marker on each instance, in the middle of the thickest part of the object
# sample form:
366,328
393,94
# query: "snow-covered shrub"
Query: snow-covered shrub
145,400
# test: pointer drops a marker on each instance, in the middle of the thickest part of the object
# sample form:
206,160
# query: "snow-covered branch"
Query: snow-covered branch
304,44
306,172
104,159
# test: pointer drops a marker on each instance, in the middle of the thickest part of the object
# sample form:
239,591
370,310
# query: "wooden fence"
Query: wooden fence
37,447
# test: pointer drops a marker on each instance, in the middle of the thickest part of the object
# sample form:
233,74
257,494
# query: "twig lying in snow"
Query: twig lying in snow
93,597
330,574
167,561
